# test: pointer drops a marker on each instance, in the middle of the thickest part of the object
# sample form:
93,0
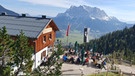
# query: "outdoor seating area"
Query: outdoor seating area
87,58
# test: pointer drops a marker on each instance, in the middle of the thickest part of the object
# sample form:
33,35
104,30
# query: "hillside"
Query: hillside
121,40
9,12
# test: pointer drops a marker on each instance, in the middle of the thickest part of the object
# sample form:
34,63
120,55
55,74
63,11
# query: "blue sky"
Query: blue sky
124,10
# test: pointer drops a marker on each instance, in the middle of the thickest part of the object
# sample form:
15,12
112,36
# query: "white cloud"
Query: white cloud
120,9
123,13
57,3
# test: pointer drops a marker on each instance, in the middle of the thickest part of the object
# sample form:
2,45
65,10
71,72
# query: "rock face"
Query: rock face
86,16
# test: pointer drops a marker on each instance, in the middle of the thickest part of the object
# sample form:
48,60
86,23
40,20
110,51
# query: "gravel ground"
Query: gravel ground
78,70
127,69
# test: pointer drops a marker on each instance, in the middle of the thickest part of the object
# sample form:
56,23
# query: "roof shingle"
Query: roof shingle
31,26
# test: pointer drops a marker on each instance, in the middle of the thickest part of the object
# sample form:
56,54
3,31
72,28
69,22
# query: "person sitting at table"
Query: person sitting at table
86,61
103,64
65,58
71,60
70,51
78,61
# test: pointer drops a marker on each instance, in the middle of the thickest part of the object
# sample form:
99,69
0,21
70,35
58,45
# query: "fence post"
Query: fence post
81,69
115,68
119,72
131,63
131,73
95,74
107,73
121,60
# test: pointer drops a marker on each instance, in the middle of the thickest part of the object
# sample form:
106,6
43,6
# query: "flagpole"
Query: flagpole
67,32
67,39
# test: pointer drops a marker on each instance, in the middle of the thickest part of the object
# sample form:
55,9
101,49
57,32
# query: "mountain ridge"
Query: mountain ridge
86,16
9,12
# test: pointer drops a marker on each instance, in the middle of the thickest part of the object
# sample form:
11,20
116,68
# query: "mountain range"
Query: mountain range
88,17
84,17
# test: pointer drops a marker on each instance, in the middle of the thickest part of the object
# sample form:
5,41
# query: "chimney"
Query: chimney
43,16
23,15
3,13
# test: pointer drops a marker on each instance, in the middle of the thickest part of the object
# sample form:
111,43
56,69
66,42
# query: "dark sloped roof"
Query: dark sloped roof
31,26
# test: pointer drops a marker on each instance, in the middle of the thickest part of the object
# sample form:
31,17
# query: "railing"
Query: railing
119,72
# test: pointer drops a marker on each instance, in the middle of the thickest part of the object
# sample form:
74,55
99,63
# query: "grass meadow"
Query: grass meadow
73,37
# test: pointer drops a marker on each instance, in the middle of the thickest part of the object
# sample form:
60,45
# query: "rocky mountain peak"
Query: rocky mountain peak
85,11
86,16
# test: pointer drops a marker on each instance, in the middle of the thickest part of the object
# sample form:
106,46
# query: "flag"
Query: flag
67,30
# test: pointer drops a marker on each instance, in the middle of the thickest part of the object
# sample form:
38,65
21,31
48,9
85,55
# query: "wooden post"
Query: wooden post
131,74
120,60
107,73
67,40
131,63
82,73
81,69
121,73
95,74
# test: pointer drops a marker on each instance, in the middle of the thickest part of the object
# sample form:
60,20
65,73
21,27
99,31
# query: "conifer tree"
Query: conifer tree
22,54
5,51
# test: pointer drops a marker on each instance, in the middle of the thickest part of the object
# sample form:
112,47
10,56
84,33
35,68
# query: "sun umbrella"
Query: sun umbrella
76,47
94,49
82,54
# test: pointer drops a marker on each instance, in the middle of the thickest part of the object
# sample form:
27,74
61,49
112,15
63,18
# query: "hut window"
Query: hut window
50,36
44,39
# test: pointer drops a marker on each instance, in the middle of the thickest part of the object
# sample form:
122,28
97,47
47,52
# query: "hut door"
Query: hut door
43,54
